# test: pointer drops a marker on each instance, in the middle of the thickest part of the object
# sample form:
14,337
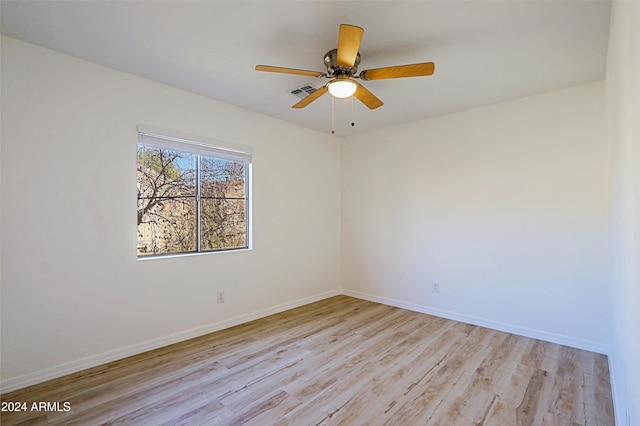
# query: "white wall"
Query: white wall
623,69
503,205
73,292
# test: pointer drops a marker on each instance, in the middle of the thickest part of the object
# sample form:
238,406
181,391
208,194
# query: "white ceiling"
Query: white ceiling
484,51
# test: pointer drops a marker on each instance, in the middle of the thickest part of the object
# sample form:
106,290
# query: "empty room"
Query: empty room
320,212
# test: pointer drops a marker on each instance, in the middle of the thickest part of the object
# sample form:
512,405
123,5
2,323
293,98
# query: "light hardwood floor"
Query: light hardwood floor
340,361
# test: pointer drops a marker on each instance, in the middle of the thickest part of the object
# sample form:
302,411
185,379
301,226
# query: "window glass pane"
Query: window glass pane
167,211
223,204
222,178
223,223
168,227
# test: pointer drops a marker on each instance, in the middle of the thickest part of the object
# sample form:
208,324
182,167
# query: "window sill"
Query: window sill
205,253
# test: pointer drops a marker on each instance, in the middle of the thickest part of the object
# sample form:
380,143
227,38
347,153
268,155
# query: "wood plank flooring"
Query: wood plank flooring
340,361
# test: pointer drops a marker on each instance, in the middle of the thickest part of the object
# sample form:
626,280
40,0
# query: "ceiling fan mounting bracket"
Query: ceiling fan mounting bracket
334,70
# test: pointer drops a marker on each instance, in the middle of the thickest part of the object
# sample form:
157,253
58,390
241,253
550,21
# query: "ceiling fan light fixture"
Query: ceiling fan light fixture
342,88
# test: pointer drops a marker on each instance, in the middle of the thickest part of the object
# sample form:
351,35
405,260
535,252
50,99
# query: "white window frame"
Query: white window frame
159,138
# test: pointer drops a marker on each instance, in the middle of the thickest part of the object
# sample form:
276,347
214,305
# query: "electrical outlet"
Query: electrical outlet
221,297
435,287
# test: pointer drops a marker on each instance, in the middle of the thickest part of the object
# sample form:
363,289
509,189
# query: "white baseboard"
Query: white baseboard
31,379
483,322
619,409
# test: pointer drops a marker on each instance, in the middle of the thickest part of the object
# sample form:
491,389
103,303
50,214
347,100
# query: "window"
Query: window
193,195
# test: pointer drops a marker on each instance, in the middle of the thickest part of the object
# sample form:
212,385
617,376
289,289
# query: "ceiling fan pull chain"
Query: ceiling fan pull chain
333,127
353,114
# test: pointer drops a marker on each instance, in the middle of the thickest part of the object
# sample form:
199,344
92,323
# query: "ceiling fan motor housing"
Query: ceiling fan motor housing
334,70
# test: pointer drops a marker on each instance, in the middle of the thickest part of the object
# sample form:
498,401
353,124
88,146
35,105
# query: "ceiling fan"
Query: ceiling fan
342,66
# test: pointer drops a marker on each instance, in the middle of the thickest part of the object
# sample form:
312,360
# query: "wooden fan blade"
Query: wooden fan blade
367,98
413,70
269,68
312,97
349,40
